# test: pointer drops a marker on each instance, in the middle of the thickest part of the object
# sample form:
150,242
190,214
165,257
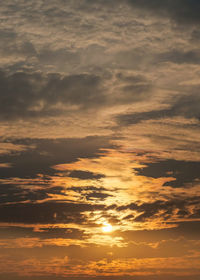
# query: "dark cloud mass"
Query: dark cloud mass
166,209
186,106
181,11
184,172
42,154
91,192
24,95
42,233
85,175
46,213
179,57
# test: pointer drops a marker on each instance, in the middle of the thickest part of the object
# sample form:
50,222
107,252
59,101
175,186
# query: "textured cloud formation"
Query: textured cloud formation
42,154
186,106
99,140
51,213
184,172
28,95
184,12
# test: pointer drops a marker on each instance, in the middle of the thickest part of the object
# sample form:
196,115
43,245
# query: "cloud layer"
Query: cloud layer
99,117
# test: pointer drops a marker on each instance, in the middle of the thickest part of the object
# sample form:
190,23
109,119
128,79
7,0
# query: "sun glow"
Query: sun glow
107,228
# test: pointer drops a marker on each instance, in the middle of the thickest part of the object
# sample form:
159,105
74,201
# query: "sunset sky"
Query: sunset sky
99,140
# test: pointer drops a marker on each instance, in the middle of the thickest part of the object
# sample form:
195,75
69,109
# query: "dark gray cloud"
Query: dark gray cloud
134,118
180,11
43,190
62,59
185,105
46,213
97,196
14,48
14,232
132,88
24,95
39,157
42,154
92,193
180,57
85,175
148,211
17,193
195,36
184,172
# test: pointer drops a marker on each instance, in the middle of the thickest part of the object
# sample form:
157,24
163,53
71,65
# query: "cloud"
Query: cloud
11,276
165,209
99,67
17,193
14,232
85,175
190,230
180,11
46,213
185,106
91,192
180,57
13,48
131,88
41,155
28,177
184,172
26,95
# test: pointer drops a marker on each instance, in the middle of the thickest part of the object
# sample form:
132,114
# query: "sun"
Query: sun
107,227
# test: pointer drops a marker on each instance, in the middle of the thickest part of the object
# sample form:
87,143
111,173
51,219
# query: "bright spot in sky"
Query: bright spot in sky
106,227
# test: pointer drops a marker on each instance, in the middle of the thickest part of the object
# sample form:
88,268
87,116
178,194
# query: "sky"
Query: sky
99,140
